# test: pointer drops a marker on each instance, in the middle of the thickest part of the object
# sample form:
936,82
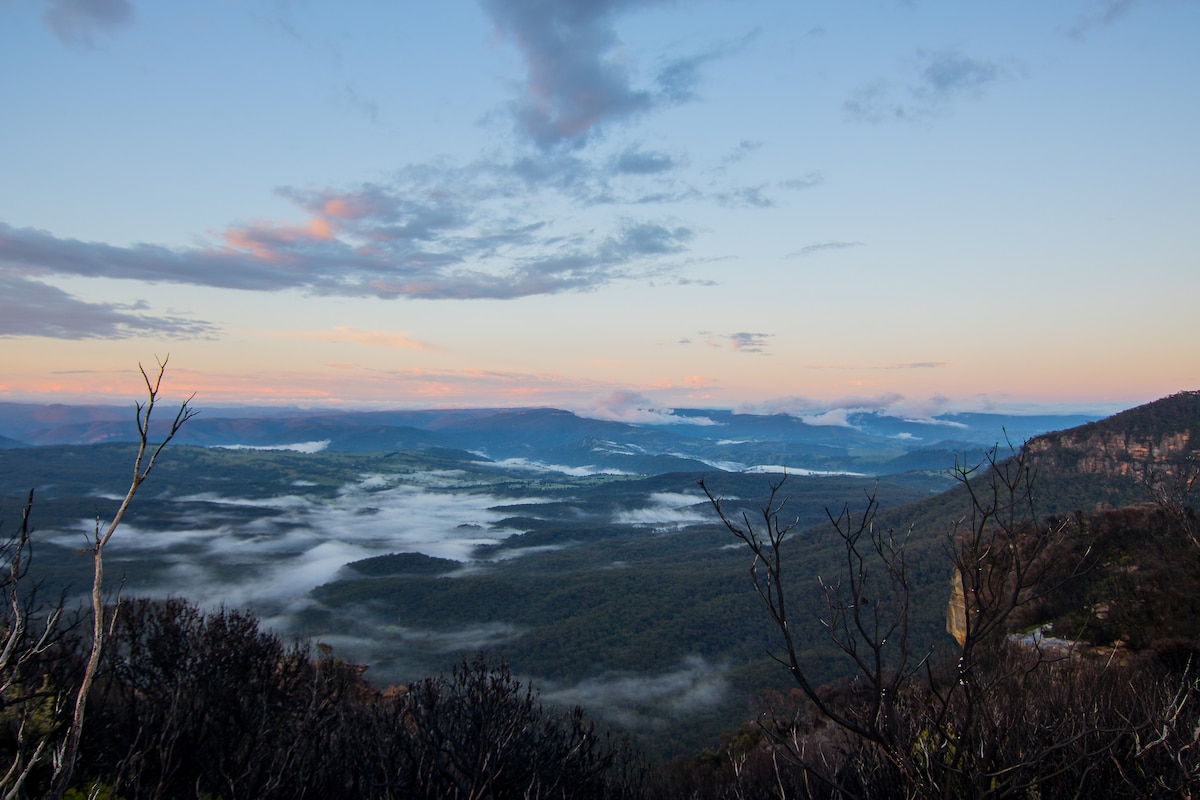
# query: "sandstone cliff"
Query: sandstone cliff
1143,577
1155,438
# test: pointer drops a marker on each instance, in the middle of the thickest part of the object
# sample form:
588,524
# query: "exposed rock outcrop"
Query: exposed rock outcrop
1157,437
956,610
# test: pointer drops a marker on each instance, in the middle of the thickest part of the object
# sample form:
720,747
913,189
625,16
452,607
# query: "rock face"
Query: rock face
1110,452
1158,437
956,610
1156,445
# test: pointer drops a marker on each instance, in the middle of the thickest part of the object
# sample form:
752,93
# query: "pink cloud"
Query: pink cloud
264,240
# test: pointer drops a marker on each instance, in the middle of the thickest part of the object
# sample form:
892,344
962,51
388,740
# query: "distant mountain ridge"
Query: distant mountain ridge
687,439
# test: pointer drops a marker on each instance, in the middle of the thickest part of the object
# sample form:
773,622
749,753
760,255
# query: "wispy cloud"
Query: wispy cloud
760,195
948,74
837,411
904,365
937,78
579,77
295,447
742,341
819,247
679,77
811,405
635,161
31,308
77,22
747,342
742,151
635,701
916,365
374,241
637,409
1099,14
576,79
666,510
746,197
349,98
806,182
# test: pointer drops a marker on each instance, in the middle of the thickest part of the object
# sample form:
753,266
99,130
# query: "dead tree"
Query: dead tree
1170,488
870,629
144,461
31,708
911,727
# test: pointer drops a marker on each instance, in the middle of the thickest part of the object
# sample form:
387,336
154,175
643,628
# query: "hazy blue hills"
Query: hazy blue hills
685,439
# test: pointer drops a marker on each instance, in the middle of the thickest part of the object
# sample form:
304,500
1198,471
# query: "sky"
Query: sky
617,207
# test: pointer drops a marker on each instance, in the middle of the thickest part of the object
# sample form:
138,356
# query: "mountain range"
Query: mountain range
865,442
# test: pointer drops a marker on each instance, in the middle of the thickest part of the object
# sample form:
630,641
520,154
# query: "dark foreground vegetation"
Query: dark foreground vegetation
189,704
1074,672
209,705
1113,710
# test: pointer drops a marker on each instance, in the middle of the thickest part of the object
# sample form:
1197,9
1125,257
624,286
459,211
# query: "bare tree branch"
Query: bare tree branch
147,456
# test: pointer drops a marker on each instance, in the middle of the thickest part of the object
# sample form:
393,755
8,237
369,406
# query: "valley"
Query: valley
581,552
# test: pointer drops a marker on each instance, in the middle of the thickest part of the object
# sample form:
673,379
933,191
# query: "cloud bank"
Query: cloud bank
269,554
635,408
368,243
667,511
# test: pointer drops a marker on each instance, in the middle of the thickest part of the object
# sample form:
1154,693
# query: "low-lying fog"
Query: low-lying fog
268,555
269,561
646,702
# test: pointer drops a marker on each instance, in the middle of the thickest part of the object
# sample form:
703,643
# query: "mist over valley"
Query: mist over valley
580,551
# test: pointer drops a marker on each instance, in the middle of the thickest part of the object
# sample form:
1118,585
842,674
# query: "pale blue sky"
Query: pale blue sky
605,206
